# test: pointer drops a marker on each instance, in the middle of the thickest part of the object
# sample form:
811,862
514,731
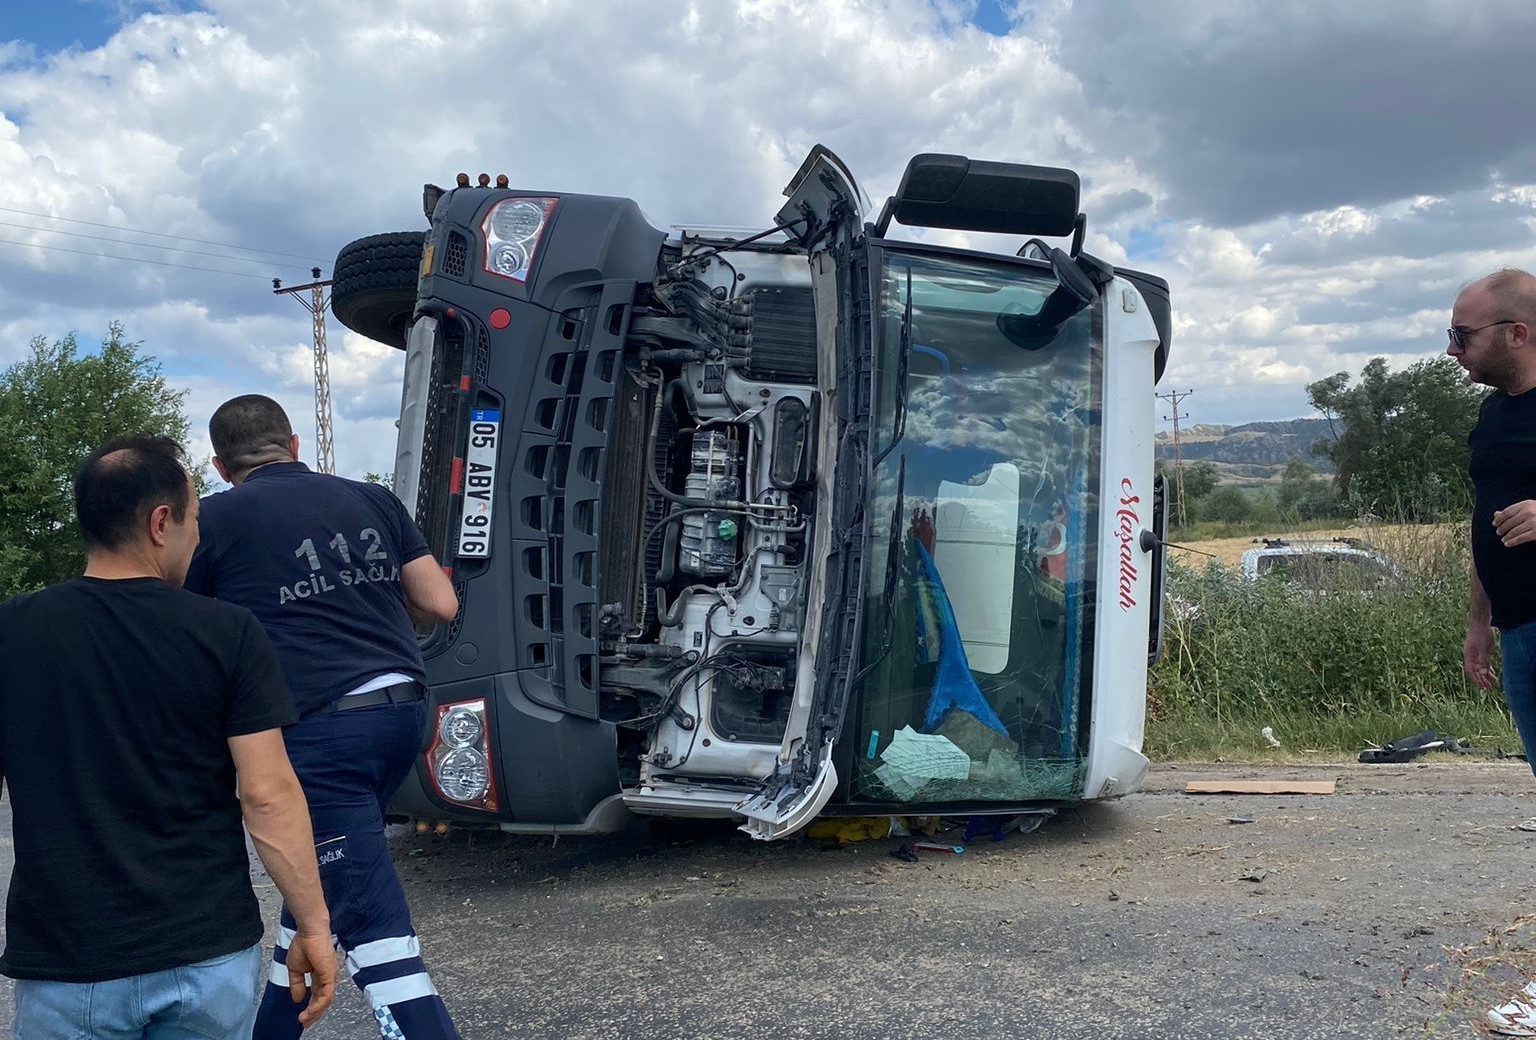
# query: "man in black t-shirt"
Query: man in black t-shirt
334,569
139,724
1490,336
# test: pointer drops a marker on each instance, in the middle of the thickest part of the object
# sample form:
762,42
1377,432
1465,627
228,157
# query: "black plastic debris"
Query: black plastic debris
1405,749
907,854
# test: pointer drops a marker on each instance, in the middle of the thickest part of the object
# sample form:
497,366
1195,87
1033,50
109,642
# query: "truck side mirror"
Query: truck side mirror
1074,291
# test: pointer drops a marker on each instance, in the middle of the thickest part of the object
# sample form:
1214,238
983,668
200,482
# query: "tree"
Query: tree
1199,480
1399,439
1226,503
1303,494
56,407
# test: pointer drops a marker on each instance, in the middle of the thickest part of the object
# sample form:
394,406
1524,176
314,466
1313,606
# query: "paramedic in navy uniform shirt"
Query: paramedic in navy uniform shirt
335,570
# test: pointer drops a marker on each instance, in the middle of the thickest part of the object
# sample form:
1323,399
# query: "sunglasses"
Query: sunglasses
1459,335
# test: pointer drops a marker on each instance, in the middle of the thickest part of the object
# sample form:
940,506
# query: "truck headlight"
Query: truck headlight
458,761
509,261
460,728
462,775
512,230
517,221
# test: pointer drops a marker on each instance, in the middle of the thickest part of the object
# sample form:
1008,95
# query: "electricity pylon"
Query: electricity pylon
325,453
1173,397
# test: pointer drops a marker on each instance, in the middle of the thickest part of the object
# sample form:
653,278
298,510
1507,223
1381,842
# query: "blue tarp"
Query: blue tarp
953,686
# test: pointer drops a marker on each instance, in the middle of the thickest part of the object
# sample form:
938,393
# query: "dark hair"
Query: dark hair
249,431
122,482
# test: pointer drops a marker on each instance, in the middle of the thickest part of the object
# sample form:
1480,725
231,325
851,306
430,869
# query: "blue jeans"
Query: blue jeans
211,1000
350,763
1517,651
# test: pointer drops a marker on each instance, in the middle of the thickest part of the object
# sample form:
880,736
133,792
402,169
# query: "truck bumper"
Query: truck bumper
554,772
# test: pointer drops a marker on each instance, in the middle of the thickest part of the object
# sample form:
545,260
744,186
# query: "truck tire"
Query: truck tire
373,289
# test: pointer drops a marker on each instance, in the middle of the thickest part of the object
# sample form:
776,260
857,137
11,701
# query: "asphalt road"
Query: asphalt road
1125,920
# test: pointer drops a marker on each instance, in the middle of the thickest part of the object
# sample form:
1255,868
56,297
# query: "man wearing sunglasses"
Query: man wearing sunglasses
1490,337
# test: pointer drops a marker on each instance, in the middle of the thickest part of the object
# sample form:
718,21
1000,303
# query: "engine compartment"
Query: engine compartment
706,527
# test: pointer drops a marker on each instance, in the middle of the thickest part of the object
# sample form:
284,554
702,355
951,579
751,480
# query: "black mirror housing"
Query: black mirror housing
951,191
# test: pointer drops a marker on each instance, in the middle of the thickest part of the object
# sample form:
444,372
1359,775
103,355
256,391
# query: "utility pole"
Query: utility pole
325,454
1174,397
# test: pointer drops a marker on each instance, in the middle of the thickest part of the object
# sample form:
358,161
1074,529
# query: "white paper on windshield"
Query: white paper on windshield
926,756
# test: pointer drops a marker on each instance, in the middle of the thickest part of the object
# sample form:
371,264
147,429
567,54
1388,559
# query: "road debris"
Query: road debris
1404,749
1260,787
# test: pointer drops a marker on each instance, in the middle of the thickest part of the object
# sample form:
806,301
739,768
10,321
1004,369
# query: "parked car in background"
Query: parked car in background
1318,565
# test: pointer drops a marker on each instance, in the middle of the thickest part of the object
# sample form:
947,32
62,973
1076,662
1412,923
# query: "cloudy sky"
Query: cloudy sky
1315,179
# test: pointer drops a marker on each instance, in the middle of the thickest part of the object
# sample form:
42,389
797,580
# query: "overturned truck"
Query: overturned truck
763,526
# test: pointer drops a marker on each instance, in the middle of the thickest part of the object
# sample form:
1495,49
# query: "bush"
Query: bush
1227,504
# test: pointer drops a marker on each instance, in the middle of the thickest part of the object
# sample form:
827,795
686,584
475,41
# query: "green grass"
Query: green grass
1205,530
1332,671
1189,737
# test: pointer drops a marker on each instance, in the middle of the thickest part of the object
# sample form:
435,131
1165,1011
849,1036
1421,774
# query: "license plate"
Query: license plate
479,483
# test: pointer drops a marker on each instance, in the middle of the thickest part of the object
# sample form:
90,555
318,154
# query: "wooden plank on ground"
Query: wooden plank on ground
1260,787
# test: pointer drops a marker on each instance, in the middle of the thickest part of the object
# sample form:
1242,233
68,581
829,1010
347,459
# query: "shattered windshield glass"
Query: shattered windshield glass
984,514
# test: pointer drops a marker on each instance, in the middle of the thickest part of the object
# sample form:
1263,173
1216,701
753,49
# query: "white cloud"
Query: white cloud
1342,220
295,127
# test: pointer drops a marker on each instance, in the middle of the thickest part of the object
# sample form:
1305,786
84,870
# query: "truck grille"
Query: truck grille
455,255
441,434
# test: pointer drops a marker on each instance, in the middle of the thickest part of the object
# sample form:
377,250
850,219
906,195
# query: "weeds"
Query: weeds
1350,660
1202,530
1476,977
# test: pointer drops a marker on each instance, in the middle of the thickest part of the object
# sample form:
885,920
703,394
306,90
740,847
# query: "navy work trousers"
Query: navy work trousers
350,764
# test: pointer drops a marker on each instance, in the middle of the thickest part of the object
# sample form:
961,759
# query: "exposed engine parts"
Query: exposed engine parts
701,633
709,539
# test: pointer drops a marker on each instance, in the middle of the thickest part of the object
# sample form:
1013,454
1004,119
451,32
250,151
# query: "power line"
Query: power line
131,259
156,234
142,245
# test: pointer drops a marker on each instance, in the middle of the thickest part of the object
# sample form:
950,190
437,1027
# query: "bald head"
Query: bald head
1491,323
1512,292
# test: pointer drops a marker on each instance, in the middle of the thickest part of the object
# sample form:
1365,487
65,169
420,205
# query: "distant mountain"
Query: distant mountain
1257,444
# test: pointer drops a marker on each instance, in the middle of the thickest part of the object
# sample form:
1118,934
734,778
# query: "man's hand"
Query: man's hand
312,955
430,598
1516,524
278,821
1476,653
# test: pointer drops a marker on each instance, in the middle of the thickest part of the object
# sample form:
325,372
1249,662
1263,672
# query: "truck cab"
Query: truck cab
769,525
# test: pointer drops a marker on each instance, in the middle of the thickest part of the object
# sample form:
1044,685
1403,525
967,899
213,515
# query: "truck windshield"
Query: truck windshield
984,513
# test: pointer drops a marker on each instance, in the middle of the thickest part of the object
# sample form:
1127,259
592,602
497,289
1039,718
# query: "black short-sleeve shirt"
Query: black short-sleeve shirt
117,702
1503,468
317,559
